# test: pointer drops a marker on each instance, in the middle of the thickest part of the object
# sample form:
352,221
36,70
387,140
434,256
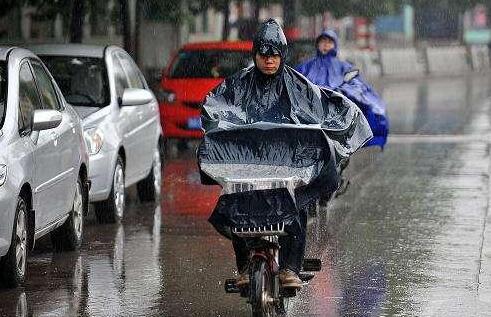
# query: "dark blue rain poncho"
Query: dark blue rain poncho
326,70
274,143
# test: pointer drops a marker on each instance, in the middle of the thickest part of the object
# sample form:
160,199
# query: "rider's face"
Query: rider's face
268,65
325,45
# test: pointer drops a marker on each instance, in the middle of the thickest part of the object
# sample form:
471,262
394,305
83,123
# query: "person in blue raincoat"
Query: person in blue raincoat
327,70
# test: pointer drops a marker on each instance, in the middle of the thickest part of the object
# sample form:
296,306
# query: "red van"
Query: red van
194,71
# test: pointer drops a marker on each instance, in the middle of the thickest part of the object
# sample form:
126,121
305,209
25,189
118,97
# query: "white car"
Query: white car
43,164
120,117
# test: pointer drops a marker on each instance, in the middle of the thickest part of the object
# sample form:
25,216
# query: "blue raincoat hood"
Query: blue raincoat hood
330,35
327,70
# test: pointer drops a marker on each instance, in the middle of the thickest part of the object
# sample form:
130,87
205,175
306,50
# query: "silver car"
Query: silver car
120,118
43,163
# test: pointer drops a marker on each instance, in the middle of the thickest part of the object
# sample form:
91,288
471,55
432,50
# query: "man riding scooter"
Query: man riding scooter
327,70
271,92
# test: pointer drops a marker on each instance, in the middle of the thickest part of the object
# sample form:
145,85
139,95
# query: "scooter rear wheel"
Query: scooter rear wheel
261,290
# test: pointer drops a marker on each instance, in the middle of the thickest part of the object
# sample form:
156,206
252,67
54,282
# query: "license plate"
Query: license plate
194,123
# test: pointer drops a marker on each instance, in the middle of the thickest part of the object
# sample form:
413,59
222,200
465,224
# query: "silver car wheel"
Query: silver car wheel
157,173
118,185
21,241
78,210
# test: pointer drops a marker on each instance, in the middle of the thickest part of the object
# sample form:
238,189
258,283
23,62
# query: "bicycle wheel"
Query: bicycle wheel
261,289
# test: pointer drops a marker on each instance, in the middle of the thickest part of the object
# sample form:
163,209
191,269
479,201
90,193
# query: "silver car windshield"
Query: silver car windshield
83,80
3,92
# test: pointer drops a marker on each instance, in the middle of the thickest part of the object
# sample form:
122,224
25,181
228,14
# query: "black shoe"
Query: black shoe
242,280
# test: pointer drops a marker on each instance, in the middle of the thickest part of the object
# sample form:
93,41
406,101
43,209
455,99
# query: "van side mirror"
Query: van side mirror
46,119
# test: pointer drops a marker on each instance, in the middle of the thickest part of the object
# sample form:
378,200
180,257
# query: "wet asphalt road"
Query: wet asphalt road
409,238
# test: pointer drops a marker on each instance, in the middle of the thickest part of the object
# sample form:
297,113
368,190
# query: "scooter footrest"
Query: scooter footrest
306,276
230,286
288,292
312,265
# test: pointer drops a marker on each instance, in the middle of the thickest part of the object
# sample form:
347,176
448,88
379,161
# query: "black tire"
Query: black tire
261,286
109,211
162,148
313,208
149,188
69,236
282,307
12,269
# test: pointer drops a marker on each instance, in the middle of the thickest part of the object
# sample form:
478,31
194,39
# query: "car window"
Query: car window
3,92
120,79
209,63
28,97
131,70
46,88
83,80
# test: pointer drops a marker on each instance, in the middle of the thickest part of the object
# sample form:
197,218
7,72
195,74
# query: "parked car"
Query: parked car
192,73
120,117
43,164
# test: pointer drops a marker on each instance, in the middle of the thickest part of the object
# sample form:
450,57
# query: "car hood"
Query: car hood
191,89
92,116
84,112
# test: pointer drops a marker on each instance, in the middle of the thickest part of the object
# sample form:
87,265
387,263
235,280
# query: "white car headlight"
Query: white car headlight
3,174
94,139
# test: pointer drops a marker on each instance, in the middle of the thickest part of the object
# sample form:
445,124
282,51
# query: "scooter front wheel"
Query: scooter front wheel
282,308
261,290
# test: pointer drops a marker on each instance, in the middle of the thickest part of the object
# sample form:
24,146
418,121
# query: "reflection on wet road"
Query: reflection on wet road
409,238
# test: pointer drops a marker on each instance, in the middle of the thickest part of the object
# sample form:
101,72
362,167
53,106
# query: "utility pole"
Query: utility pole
290,14
77,21
128,21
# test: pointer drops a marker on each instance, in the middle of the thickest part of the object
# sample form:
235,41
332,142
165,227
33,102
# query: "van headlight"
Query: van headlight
94,139
3,174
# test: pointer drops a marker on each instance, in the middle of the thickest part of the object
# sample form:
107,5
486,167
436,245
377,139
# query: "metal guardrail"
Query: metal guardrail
416,62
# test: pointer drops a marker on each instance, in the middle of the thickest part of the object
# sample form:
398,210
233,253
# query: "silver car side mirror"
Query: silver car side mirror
136,97
46,119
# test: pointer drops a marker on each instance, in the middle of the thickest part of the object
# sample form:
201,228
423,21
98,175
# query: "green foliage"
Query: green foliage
373,8
163,11
8,5
48,9
458,6
340,8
